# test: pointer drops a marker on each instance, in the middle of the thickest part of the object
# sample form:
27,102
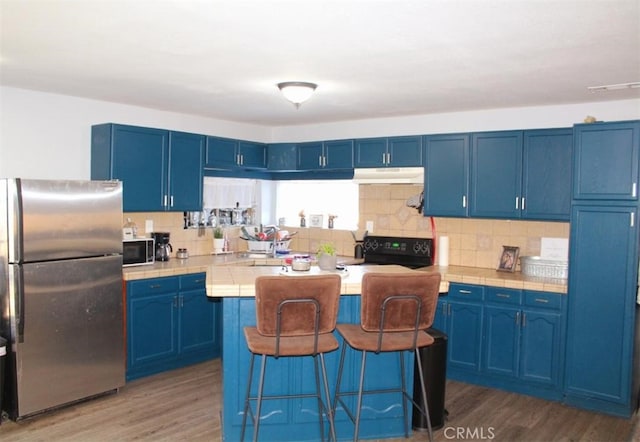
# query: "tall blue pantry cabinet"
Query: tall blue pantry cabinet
602,370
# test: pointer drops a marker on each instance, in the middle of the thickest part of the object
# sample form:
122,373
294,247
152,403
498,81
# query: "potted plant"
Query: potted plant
218,240
326,255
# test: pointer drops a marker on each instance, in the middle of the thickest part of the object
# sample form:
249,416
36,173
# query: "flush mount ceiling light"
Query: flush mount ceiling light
614,87
297,92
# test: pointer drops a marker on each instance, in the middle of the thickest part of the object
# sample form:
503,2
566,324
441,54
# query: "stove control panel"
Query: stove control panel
384,245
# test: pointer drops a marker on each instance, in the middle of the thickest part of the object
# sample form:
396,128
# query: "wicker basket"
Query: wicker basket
536,266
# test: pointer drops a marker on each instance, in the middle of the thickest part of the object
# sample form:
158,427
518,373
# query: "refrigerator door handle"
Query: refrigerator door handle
20,304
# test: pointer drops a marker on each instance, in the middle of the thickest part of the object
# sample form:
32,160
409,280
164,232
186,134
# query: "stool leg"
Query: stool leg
316,372
405,395
340,366
246,399
424,396
328,410
256,426
359,405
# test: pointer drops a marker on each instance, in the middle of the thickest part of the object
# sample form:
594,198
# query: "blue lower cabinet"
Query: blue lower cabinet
170,323
464,330
297,419
459,315
505,338
525,342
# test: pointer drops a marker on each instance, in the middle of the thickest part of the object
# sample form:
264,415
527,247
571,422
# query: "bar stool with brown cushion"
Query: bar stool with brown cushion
396,310
295,317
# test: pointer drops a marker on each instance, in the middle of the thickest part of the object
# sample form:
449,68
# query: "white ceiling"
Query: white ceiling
223,58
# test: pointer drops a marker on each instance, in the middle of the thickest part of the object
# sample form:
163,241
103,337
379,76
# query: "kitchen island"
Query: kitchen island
232,278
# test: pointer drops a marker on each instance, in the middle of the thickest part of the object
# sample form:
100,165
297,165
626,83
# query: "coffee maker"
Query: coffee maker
163,248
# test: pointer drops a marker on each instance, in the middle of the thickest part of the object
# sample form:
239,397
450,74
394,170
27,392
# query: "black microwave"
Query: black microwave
138,251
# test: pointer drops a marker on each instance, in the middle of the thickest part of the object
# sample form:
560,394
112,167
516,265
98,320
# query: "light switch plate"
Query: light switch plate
148,225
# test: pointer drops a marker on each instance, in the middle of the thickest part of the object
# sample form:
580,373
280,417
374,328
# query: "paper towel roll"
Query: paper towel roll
442,250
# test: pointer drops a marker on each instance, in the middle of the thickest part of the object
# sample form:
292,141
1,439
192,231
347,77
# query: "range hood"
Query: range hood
389,175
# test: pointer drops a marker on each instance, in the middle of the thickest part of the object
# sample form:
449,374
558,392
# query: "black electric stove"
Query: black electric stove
408,252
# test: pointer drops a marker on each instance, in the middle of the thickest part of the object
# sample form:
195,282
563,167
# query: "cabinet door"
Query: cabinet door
605,164
496,171
546,174
371,152
502,340
198,321
252,155
464,332
140,158
440,318
186,154
221,153
338,154
282,157
310,156
446,175
405,152
541,338
601,303
152,329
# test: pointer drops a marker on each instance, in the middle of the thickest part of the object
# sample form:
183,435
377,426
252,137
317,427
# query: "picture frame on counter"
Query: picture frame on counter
315,220
508,259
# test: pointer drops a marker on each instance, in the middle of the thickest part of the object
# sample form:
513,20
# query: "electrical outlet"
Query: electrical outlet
370,226
148,225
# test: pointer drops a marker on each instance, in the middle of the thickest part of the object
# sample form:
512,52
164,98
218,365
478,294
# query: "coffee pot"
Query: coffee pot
163,247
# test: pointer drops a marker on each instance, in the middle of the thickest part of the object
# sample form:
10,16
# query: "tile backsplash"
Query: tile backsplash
472,242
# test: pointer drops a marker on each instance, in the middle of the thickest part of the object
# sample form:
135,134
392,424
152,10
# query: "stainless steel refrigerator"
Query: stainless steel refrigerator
60,292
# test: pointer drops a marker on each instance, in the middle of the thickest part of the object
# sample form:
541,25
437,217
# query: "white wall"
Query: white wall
482,120
46,135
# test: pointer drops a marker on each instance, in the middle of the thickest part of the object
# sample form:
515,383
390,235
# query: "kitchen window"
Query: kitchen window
318,197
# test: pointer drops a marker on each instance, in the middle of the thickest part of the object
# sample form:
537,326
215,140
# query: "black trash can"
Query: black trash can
3,356
434,367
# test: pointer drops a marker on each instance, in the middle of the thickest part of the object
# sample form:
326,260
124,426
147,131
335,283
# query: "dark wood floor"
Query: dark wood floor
184,405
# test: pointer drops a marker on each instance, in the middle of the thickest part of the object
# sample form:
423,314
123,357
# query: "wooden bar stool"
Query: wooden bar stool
295,317
396,309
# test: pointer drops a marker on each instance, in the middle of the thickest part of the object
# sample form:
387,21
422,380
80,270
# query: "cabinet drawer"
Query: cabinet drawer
152,286
503,296
465,291
193,281
543,299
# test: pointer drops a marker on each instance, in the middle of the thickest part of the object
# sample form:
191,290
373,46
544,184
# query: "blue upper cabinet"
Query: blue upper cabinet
141,158
229,154
338,154
371,152
546,174
221,153
310,156
606,161
282,157
512,174
446,186
186,158
252,155
319,155
389,152
496,171
405,151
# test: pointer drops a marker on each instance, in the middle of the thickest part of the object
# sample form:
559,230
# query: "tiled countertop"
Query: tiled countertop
234,274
